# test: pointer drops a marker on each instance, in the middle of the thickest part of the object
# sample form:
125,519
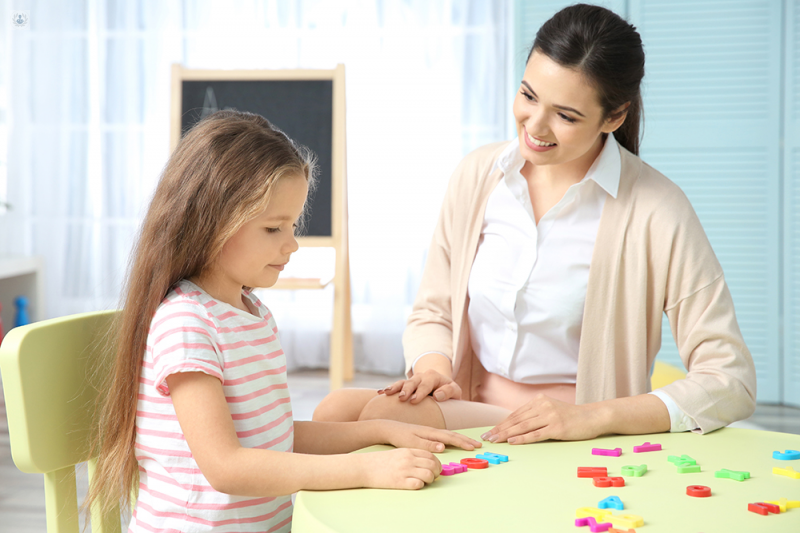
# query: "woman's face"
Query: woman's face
558,114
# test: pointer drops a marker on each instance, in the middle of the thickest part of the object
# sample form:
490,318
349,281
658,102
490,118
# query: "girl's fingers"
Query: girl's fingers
393,388
423,389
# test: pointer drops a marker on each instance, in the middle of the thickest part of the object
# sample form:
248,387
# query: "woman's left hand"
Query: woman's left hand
545,418
402,435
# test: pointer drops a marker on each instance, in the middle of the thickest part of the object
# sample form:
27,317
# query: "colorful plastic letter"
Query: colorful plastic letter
474,462
615,530
788,455
647,447
609,482
683,460
491,458
763,508
616,452
626,520
612,502
732,474
503,458
788,472
688,469
447,470
458,468
782,504
635,471
594,527
698,491
594,512
592,471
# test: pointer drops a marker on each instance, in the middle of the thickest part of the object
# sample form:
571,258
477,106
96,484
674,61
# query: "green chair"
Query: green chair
50,390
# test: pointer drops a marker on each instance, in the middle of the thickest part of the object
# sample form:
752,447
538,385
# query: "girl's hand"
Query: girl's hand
544,418
418,386
402,435
403,468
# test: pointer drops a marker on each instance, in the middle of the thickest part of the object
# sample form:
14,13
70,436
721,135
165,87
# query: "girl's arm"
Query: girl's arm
344,437
206,423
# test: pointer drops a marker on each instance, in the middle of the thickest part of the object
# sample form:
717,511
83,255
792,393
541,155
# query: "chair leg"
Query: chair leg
61,501
103,523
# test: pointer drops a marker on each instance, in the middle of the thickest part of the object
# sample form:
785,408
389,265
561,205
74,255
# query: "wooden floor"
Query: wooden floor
22,495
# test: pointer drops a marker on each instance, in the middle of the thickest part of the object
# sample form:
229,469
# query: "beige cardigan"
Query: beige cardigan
651,256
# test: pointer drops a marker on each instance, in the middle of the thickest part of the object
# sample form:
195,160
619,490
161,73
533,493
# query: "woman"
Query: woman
553,260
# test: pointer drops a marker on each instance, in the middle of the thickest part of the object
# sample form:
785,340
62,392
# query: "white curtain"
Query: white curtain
88,120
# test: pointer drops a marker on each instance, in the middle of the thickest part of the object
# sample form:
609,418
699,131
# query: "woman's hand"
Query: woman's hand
403,468
544,418
402,435
418,386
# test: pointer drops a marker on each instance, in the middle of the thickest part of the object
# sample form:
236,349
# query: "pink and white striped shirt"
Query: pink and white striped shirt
192,332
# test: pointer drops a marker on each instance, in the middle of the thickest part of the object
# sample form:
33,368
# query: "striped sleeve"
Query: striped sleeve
183,339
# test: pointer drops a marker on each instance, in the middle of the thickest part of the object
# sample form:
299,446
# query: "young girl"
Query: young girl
198,408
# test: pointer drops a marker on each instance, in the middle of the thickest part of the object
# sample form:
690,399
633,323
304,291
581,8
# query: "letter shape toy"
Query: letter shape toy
474,462
763,508
698,491
688,469
592,471
447,470
788,455
784,504
732,474
616,452
457,467
647,447
594,527
615,530
492,459
609,482
612,502
503,458
683,460
594,512
626,520
788,472
635,471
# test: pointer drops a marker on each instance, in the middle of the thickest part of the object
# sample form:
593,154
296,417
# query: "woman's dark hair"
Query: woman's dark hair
608,51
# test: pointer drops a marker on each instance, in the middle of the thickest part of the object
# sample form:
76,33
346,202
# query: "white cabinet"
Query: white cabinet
21,276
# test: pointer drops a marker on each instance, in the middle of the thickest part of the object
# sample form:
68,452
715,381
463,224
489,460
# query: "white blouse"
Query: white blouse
525,314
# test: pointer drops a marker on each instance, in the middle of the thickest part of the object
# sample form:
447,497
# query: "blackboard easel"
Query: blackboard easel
309,106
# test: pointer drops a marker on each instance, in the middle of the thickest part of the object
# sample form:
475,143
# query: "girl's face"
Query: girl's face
258,251
558,114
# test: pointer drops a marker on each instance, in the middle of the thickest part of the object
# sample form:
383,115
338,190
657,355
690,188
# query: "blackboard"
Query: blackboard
303,109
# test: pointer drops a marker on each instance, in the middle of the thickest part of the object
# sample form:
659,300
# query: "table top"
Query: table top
538,488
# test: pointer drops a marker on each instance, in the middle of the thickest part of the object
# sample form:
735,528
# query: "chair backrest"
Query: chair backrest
50,386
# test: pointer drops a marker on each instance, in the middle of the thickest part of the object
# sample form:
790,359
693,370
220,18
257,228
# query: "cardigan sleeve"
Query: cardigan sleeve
720,386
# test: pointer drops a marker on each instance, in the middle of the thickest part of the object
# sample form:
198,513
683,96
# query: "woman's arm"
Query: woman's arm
210,433
544,418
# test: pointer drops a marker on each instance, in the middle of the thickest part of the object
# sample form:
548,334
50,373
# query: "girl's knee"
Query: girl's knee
343,405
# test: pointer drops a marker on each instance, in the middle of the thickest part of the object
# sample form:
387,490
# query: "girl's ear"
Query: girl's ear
616,118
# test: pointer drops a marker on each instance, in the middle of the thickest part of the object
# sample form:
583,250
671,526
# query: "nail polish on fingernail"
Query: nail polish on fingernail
493,438
403,393
512,440
439,396
413,396
485,436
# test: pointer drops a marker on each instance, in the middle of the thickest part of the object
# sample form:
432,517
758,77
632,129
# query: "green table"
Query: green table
538,489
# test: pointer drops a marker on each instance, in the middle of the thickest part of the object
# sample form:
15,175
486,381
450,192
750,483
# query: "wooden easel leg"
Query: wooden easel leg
336,365
348,326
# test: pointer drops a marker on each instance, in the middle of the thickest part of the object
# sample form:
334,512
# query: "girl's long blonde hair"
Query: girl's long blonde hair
218,178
